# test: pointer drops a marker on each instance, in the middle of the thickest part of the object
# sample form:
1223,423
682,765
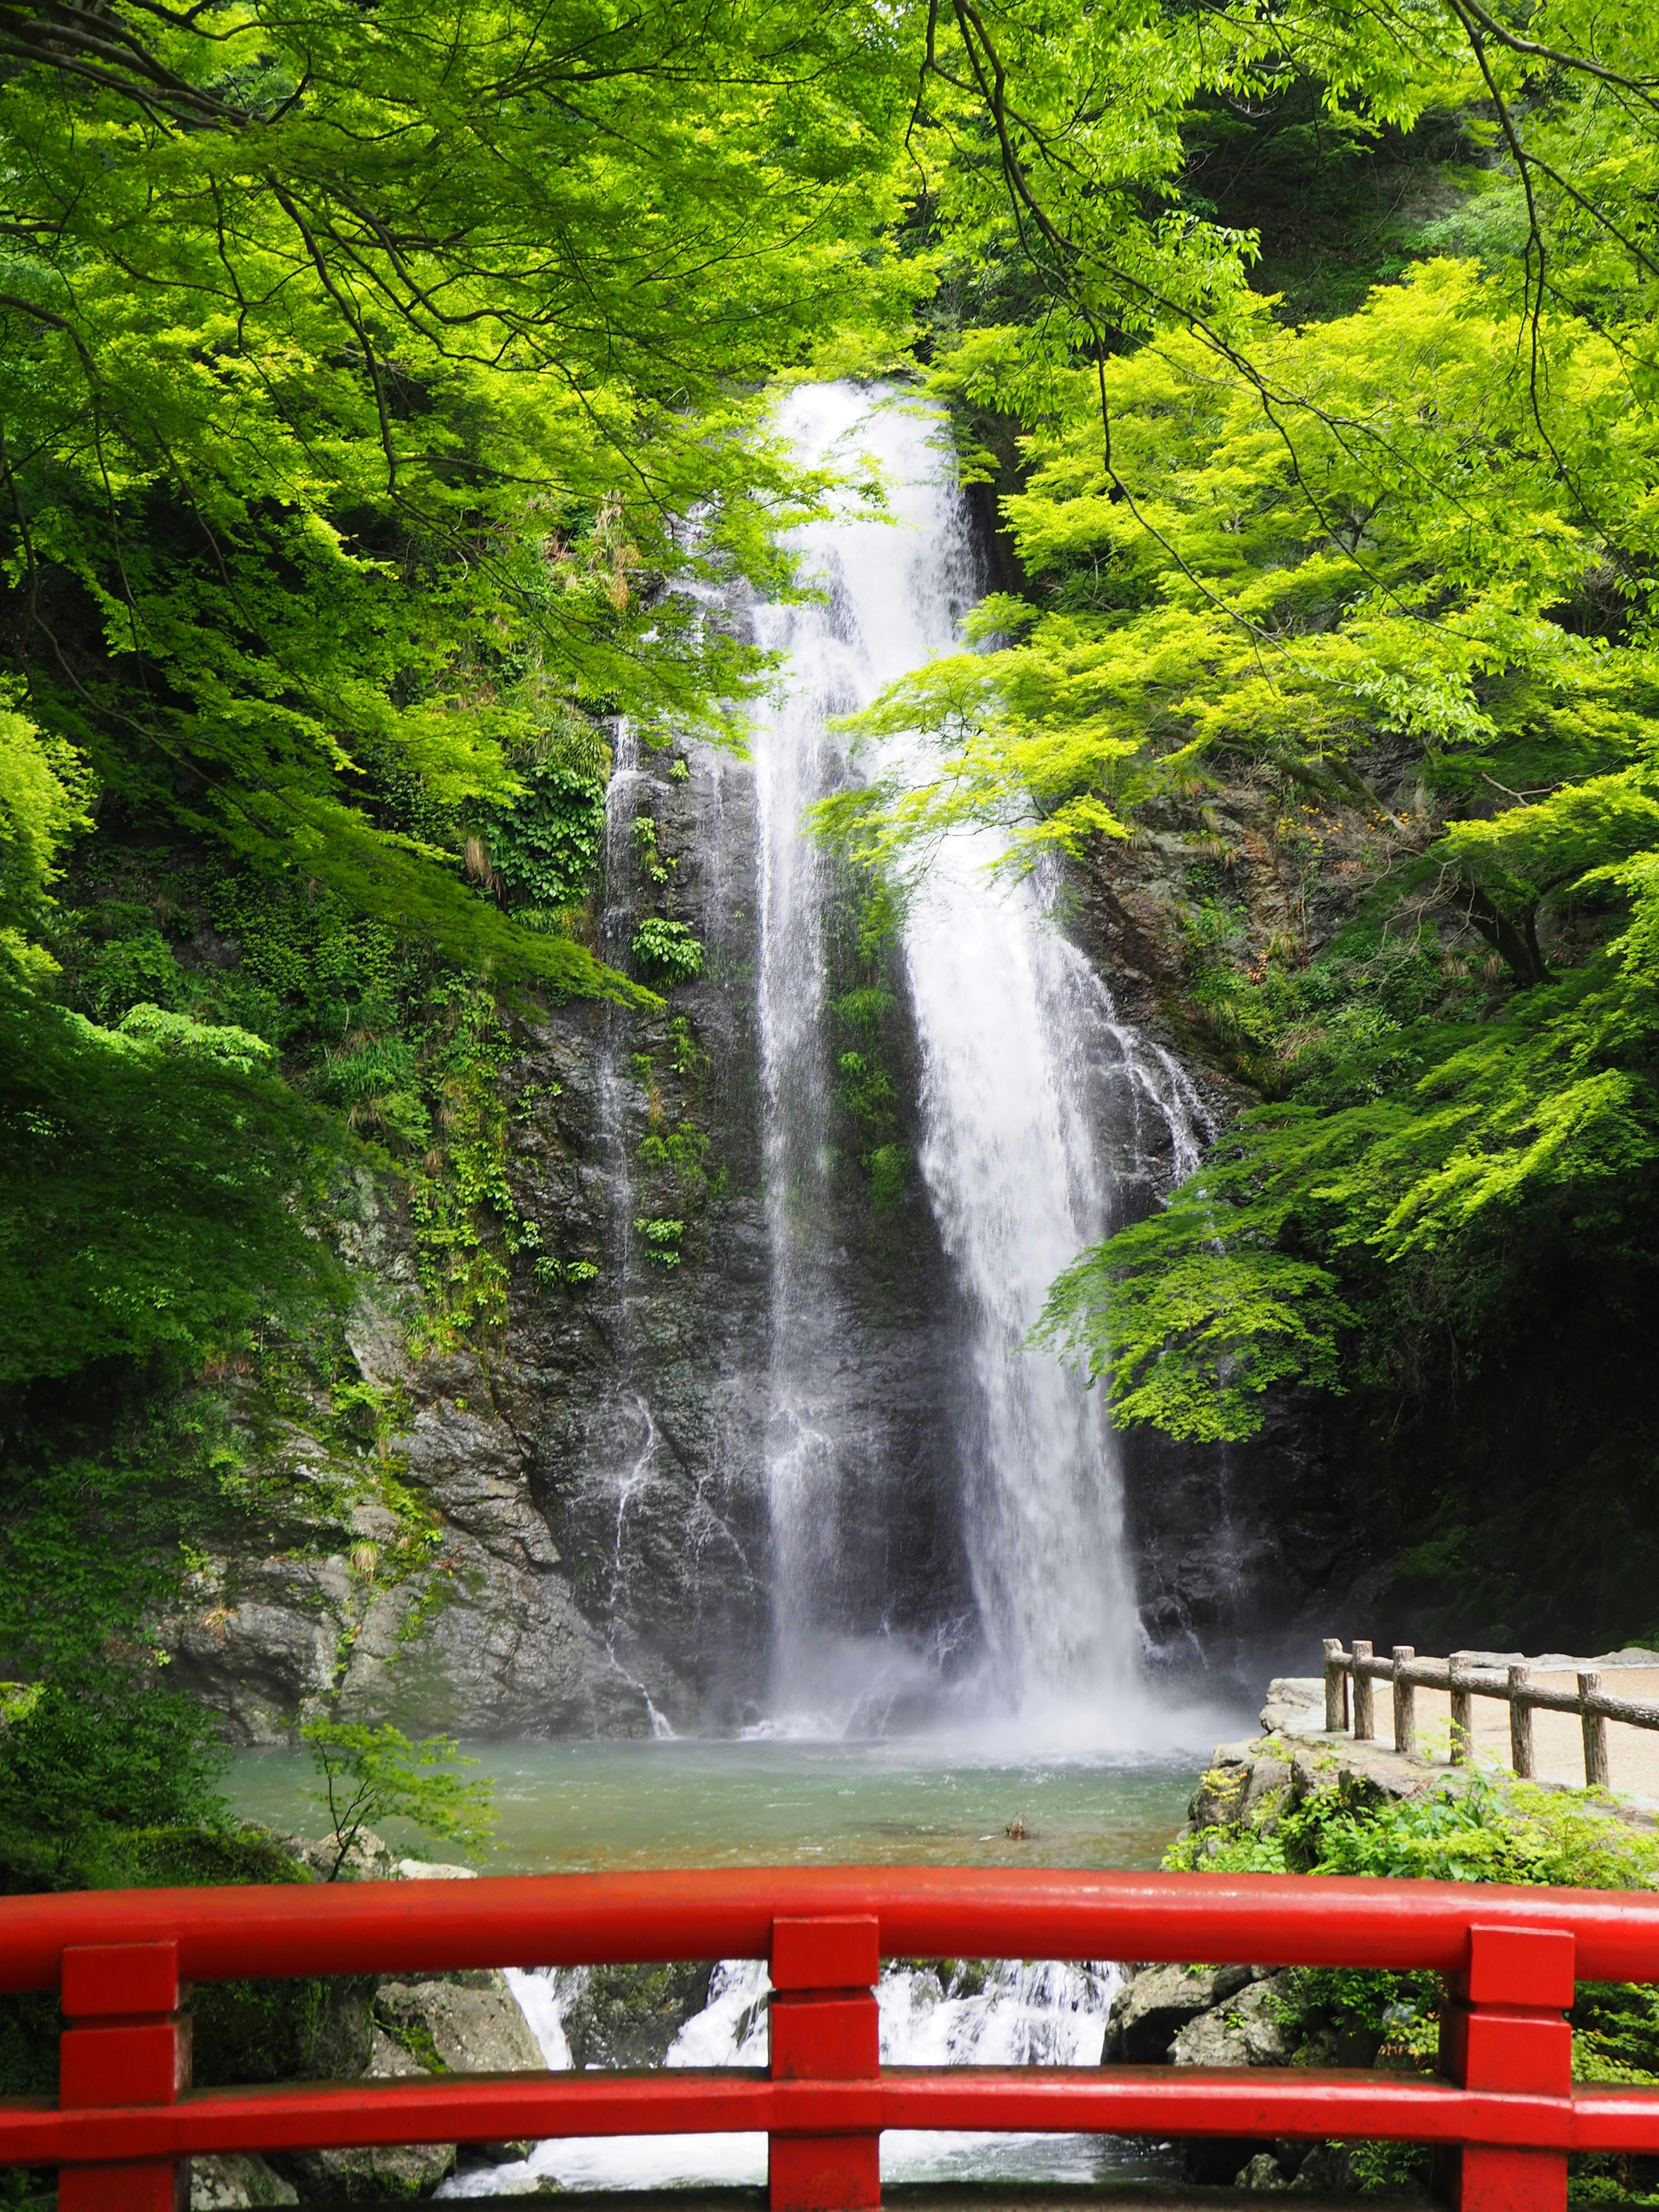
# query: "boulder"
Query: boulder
389,2172
1270,1791
1326,2169
1220,1793
628,2015
1296,1705
1146,2014
369,1859
236,2182
1246,2030
465,2023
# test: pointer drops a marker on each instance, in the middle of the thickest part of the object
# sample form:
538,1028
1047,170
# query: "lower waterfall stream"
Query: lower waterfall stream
1015,2014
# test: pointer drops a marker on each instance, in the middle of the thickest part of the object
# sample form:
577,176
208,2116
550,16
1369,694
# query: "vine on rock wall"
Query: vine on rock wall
865,946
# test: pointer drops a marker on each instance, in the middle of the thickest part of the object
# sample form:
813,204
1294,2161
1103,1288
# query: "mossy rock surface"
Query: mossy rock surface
628,2015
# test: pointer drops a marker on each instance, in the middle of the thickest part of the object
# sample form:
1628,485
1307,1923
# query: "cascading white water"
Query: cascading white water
1020,1049
1016,2013
797,761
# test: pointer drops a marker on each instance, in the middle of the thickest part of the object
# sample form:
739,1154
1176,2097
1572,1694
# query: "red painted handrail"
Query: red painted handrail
1506,2115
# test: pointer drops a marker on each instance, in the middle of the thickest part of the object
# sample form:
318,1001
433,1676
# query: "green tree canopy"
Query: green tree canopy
369,388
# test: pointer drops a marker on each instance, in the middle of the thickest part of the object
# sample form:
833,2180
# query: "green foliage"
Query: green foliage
1194,1335
684,1152
865,1089
42,802
1509,1833
101,1749
667,950
1521,1833
867,916
147,1186
545,848
1615,2032
1407,545
1437,1125
655,867
317,521
684,1056
662,1241
888,1170
864,1009
356,399
467,1223
373,1774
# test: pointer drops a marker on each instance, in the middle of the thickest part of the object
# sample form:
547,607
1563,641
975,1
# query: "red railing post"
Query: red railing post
825,2028
133,2049
1504,2030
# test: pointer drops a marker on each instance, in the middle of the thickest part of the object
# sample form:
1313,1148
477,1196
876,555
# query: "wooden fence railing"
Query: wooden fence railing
1503,2112
1406,1674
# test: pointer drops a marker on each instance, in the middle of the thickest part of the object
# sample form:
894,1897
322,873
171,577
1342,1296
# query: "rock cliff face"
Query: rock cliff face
575,1537
1240,1548
564,1529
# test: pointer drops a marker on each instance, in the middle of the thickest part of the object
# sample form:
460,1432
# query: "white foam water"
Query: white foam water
1014,2013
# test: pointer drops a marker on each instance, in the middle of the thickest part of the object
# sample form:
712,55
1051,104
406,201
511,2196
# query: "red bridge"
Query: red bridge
1503,2113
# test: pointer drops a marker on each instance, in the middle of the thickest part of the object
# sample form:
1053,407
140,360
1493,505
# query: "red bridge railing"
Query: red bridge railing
1503,2113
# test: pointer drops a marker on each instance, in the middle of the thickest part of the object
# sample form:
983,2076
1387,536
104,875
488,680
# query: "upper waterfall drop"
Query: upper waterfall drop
1021,1056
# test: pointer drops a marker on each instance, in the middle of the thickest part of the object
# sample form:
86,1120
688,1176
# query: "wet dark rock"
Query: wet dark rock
628,2016
385,2173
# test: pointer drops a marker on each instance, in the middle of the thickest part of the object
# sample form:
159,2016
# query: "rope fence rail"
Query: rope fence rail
1502,2113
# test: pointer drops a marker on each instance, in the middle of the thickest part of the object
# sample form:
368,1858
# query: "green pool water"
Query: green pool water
568,1805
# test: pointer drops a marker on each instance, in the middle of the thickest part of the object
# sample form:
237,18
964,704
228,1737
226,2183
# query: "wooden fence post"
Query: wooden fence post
1520,1722
1595,1734
1336,1687
825,2028
1364,1715
1405,1703
1462,1708
127,2044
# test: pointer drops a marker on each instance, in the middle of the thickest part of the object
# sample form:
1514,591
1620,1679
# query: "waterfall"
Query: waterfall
1024,1063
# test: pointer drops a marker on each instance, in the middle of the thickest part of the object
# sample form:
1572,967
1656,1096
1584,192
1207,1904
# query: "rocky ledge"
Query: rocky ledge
1261,2015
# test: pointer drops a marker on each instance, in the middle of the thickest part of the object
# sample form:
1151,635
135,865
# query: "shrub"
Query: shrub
668,950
